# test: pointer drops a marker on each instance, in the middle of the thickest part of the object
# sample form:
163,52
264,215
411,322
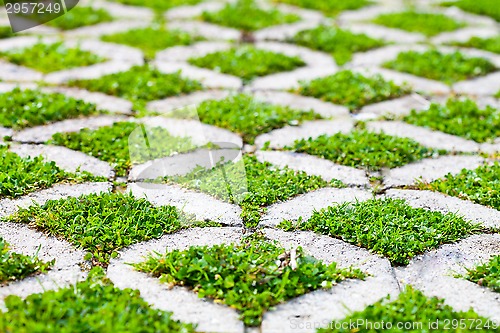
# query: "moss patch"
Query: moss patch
151,39
266,185
249,277
418,312
481,185
26,108
6,32
425,23
20,176
460,117
480,7
246,15
488,44
140,84
487,275
352,90
15,266
111,144
247,62
80,17
93,305
101,223
446,67
373,151
47,58
159,5
341,44
248,117
387,227
331,8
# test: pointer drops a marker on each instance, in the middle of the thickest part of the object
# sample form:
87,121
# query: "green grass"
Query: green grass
6,32
481,185
249,117
487,275
47,58
388,227
446,67
352,90
246,15
341,44
26,108
249,277
140,84
266,185
330,8
425,23
20,176
151,39
247,62
111,144
80,17
93,305
15,266
364,149
159,5
488,44
418,312
480,7
101,223
460,117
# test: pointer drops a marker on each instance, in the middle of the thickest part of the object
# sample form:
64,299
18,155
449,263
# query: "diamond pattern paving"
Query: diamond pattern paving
252,166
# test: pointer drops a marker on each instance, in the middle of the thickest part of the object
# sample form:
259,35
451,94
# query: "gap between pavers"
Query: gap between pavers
433,274
303,206
322,306
65,158
430,169
66,269
287,135
424,136
203,206
435,201
41,134
299,102
185,304
10,206
172,103
396,107
313,165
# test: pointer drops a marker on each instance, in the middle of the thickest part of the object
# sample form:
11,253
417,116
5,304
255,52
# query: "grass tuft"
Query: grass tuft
92,305
247,62
488,44
15,266
101,223
412,312
6,32
111,144
81,16
27,108
425,23
460,117
151,39
446,67
486,275
369,150
341,44
481,185
351,89
330,8
480,7
159,5
247,15
388,227
250,277
47,58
